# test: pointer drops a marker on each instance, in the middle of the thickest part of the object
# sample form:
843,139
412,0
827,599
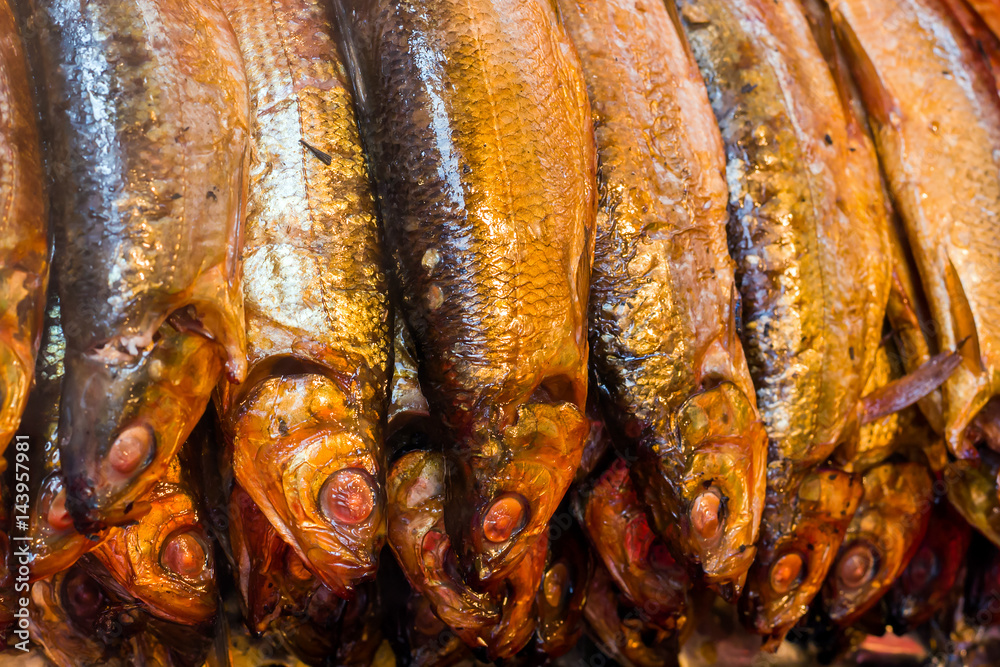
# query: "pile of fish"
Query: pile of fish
431,332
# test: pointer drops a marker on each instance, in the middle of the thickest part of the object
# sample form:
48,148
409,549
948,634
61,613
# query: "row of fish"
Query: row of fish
726,265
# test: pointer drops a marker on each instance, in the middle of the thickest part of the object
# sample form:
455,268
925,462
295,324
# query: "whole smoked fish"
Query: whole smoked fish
147,116
664,343
306,428
478,128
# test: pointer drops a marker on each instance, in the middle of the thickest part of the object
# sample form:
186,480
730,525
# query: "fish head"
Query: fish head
165,559
972,489
307,455
55,543
713,501
498,512
932,572
881,539
633,554
124,417
801,532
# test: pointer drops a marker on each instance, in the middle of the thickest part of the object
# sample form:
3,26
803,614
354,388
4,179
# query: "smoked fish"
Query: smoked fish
935,116
146,118
664,341
24,237
306,428
476,120
808,230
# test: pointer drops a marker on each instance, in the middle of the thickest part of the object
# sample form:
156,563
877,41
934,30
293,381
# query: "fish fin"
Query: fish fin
963,321
879,101
909,389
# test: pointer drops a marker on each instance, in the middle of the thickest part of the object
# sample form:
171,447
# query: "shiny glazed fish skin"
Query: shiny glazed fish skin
928,580
308,441
616,523
800,535
663,298
883,536
926,124
55,543
148,143
164,560
24,242
479,131
876,440
808,233
972,490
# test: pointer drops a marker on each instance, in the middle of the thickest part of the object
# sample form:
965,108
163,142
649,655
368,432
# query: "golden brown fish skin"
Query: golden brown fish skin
800,534
148,138
876,440
24,239
972,490
478,127
808,232
306,428
935,114
884,534
500,619
164,560
617,526
663,297
938,563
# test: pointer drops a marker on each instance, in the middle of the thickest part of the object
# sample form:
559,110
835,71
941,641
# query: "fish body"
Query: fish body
24,238
146,115
618,528
935,116
883,536
306,429
800,537
478,127
808,232
664,345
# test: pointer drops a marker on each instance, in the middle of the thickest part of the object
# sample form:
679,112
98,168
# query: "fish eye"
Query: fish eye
504,518
556,586
131,449
721,411
348,496
82,596
707,514
58,516
922,569
857,566
185,555
786,572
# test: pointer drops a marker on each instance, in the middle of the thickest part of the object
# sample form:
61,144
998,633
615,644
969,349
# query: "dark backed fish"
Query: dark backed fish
147,120
478,128
664,341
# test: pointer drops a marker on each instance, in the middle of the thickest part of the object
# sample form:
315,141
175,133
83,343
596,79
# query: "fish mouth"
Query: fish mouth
55,542
514,501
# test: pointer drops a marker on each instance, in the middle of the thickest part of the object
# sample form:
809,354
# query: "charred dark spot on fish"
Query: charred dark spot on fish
128,508
348,496
786,573
504,518
282,427
706,514
322,156
857,566
748,88
211,195
185,555
176,195
850,352
131,449
828,139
